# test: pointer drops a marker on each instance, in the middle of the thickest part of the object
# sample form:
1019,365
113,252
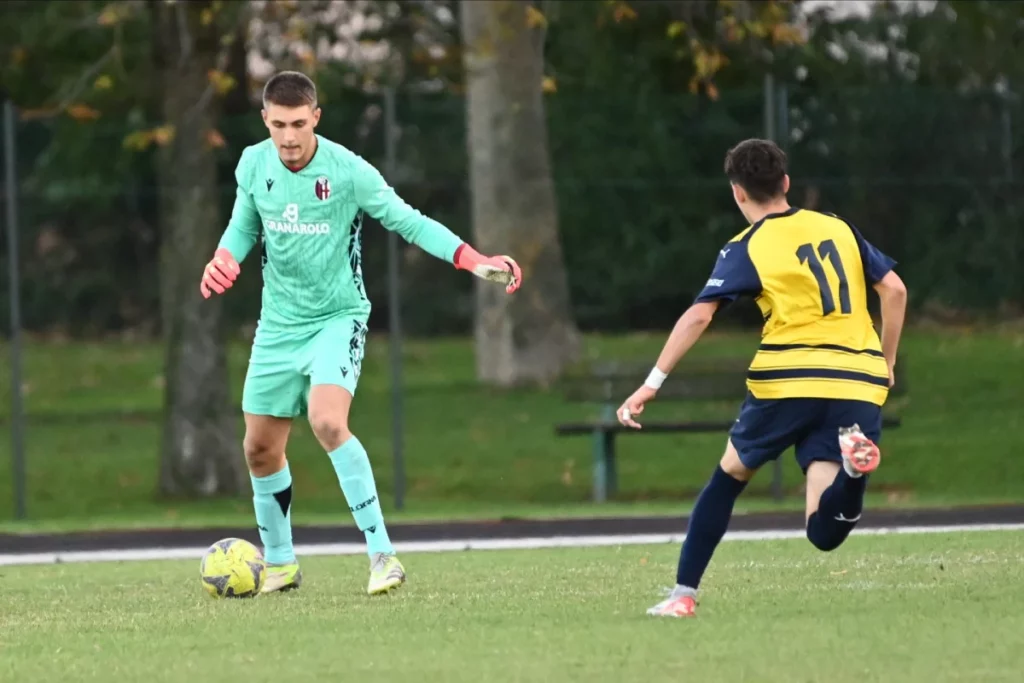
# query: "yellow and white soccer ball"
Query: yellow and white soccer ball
233,568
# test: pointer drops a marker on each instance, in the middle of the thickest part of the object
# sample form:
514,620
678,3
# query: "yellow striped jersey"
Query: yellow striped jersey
809,273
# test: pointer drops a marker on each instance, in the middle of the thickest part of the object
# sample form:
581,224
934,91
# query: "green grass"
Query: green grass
912,609
475,451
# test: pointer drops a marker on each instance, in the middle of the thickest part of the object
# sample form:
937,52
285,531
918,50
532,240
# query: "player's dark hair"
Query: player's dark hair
759,167
289,89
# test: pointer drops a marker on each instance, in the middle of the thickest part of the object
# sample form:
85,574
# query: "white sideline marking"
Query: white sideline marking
473,544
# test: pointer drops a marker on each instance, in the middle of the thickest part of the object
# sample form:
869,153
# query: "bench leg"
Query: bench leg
600,481
605,483
610,473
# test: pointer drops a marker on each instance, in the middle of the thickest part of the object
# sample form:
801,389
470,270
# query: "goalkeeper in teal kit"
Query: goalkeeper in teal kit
305,198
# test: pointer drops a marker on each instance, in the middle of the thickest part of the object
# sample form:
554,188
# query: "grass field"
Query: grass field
471,451
914,608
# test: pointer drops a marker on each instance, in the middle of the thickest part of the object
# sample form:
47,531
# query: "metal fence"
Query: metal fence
932,176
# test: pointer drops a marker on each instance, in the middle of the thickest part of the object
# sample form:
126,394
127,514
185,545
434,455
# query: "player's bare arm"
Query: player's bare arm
893,295
688,329
733,275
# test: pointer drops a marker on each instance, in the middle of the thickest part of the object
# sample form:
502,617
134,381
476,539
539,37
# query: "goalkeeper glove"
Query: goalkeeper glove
220,273
501,269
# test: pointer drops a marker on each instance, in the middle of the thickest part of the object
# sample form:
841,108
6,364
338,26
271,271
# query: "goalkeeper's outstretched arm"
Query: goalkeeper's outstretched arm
377,198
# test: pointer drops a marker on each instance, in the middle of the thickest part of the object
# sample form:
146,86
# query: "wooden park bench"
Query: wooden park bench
609,384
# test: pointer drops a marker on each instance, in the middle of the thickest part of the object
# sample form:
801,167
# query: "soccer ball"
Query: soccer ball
233,568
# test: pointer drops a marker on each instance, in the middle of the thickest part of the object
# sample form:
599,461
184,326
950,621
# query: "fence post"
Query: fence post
1007,121
782,122
394,307
17,416
771,109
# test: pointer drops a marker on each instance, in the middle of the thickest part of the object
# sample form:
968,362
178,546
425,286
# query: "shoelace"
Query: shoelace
379,563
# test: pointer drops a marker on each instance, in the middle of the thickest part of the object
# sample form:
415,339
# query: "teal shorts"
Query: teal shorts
284,365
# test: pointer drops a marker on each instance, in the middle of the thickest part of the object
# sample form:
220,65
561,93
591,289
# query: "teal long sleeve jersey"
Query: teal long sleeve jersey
311,222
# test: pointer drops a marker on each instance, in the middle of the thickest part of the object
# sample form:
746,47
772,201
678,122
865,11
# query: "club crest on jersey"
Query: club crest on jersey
323,188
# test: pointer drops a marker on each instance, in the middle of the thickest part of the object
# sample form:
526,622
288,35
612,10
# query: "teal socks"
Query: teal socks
356,478
272,498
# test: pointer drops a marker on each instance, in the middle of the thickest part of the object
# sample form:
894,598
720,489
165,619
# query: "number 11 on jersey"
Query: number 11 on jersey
827,250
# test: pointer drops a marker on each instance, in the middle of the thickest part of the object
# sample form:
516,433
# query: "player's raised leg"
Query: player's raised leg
837,458
265,440
708,523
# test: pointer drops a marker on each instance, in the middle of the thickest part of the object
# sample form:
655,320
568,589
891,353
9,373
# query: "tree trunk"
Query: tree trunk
201,454
531,336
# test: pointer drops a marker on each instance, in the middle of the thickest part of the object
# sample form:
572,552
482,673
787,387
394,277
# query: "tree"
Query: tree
530,336
200,452
156,65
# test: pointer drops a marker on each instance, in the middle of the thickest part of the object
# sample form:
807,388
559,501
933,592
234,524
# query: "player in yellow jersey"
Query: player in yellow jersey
820,376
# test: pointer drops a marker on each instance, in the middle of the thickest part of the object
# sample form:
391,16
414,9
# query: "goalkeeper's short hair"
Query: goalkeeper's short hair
289,89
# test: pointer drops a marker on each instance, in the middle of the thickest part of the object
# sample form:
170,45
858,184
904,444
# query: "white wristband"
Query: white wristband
656,378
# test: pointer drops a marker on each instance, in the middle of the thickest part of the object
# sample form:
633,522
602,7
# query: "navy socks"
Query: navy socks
708,524
838,511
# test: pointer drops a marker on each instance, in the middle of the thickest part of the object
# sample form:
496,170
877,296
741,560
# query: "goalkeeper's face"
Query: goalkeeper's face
291,129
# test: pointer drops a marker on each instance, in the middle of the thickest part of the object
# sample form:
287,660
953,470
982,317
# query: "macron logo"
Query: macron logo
724,252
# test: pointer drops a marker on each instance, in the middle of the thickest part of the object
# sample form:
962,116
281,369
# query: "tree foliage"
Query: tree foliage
907,122
160,67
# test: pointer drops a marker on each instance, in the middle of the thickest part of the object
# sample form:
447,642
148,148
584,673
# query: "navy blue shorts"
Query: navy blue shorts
767,427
